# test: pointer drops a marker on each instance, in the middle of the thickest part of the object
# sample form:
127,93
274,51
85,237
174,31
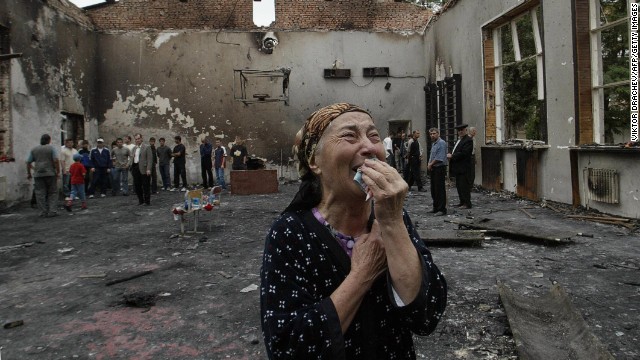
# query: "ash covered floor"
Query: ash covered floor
191,297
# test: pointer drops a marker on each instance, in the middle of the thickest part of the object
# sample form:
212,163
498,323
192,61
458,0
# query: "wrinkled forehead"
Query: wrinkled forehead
351,120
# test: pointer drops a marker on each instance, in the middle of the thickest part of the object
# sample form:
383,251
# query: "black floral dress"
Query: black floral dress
303,265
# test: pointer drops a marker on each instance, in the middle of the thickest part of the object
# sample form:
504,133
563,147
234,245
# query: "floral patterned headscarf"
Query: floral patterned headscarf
309,135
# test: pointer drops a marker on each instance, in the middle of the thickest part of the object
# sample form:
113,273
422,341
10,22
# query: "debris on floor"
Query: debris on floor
549,327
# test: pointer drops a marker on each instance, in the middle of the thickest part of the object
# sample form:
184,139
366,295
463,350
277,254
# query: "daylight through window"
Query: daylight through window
514,93
609,23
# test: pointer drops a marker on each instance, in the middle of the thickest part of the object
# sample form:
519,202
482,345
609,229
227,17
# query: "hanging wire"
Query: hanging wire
225,25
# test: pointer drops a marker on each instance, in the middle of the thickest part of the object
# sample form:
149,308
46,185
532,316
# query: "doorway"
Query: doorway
72,127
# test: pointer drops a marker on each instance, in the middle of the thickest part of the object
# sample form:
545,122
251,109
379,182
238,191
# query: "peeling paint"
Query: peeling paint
130,111
163,38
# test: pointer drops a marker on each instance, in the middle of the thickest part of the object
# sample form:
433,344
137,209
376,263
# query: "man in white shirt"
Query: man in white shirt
388,147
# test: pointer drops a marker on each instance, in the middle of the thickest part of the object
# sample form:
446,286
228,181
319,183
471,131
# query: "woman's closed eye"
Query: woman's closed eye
349,136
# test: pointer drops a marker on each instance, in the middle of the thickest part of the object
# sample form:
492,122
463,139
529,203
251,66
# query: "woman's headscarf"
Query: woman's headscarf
307,139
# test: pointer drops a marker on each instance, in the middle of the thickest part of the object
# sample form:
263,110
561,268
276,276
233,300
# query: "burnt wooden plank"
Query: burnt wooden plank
522,229
549,327
452,237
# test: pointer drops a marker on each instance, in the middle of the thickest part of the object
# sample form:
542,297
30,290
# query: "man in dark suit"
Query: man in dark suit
415,157
461,166
141,170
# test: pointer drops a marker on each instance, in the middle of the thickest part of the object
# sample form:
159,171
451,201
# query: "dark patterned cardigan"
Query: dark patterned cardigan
303,265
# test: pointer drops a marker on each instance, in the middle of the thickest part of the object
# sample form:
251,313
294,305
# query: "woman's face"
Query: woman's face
350,139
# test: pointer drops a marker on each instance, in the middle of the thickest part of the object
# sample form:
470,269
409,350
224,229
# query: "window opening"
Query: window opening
264,12
609,24
72,127
514,76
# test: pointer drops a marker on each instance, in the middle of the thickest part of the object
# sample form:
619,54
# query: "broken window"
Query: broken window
5,120
609,24
514,78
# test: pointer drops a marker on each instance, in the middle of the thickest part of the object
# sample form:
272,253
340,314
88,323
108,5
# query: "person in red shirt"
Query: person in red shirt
77,171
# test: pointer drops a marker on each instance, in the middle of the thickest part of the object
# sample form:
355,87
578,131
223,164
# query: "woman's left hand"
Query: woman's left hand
387,187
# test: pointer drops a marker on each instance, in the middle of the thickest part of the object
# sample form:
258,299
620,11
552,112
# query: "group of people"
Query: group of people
86,171
213,159
406,156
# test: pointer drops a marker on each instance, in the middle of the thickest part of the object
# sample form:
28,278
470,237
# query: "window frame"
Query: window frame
493,28
597,72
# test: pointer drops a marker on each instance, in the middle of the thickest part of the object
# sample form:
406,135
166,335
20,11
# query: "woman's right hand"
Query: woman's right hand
368,259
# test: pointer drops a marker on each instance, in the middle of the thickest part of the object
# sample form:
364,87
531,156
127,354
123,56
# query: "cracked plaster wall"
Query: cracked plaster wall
162,84
55,74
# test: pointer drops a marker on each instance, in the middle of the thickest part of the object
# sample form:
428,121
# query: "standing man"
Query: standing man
141,170
179,164
402,152
154,173
438,168
164,161
101,159
66,160
219,161
388,148
128,144
46,171
472,171
415,158
205,163
239,153
121,157
460,160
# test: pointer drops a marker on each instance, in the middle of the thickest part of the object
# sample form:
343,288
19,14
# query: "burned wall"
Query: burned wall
166,83
54,76
464,23
291,15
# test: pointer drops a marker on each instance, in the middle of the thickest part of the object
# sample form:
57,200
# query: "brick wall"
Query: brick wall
317,15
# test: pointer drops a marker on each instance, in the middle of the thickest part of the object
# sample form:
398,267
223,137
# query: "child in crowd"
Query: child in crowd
77,172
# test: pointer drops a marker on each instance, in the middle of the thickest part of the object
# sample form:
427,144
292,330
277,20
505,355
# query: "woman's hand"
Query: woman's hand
368,259
388,188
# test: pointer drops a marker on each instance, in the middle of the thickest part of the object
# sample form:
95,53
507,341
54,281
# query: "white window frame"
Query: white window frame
597,73
497,58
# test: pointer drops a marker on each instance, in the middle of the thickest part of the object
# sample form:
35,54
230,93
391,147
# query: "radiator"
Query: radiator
602,185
